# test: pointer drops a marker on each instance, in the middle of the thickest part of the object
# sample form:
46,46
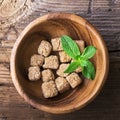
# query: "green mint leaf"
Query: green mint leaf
83,63
73,66
89,70
69,46
88,52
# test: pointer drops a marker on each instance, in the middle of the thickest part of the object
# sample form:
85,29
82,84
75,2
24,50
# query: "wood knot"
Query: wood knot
13,10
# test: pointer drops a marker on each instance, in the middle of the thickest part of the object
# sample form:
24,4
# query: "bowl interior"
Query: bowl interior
50,28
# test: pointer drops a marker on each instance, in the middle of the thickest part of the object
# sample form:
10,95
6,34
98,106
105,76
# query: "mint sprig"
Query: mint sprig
80,60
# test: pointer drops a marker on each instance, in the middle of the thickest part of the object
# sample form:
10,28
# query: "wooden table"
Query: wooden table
103,14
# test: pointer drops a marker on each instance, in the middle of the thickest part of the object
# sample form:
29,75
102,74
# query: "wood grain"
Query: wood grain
106,18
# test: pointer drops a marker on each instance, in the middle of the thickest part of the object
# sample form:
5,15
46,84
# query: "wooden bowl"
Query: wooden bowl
50,26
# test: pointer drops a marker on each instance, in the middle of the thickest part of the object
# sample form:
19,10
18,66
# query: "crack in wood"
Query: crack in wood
32,0
1,2
7,65
30,106
90,7
11,29
25,3
2,84
3,118
112,51
111,4
6,85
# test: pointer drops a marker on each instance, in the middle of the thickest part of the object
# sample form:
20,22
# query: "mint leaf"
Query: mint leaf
88,52
83,63
73,66
69,46
89,70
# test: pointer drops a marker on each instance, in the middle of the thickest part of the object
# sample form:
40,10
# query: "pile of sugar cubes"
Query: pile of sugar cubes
50,68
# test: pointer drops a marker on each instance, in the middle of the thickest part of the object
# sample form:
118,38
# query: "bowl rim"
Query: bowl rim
37,21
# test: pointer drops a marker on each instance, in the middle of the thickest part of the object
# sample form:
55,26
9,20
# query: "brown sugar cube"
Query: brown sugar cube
62,84
78,70
44,48
34,73
81,44
74,79
47,75
37,60
64,57
61,70
49,89
56,43
51,62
